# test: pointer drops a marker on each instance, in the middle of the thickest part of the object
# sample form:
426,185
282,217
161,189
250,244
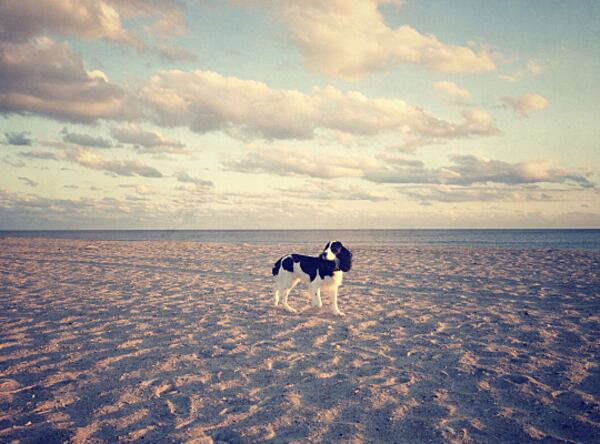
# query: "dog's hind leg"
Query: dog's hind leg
286,293
276,295
285,302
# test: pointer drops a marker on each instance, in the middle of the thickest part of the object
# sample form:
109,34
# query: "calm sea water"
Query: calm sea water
559,239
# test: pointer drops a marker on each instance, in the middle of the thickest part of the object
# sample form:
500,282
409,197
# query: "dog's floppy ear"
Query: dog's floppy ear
345,258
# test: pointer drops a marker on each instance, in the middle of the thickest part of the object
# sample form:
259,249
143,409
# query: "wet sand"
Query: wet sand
155,341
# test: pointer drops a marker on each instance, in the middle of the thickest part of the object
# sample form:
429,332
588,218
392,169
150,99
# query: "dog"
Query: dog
324,272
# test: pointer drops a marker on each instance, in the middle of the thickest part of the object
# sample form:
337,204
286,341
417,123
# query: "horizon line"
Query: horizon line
33,230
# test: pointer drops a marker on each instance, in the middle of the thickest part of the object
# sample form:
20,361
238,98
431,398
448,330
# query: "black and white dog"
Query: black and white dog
323,272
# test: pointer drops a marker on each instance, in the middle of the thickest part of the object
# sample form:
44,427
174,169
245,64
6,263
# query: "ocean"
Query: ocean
588,239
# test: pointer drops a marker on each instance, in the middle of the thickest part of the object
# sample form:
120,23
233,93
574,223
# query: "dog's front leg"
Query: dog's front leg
334,306
316,297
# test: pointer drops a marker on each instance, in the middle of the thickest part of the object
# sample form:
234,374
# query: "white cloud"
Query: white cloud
21,20
181,210
388,168
22,138
146,141
91,19
459,194
451,90
42,155
167,17
207,101
531,68
47,78
524,104
85,139
329,190
289,162
189,211
348,39
120,167
139,189
91,159
27,211
184,177
467,170
28,181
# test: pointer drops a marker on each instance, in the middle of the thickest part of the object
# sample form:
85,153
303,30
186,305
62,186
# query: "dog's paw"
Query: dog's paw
290,309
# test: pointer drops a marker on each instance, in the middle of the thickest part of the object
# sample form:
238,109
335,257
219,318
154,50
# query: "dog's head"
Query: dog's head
335,251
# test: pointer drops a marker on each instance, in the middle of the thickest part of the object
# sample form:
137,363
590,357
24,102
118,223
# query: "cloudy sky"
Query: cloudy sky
190,114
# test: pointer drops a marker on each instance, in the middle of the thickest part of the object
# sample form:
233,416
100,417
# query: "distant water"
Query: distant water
546,239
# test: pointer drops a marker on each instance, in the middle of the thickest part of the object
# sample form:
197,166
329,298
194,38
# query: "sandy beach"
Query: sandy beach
105,341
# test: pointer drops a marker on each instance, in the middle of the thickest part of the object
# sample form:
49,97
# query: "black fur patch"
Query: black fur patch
288,264
307,264
313,265
336,247
345,257
326,268
276,267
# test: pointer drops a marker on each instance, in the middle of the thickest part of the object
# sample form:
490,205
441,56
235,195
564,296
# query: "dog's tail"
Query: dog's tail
276,267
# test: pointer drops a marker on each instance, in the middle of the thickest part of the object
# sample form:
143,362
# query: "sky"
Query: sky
299,114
